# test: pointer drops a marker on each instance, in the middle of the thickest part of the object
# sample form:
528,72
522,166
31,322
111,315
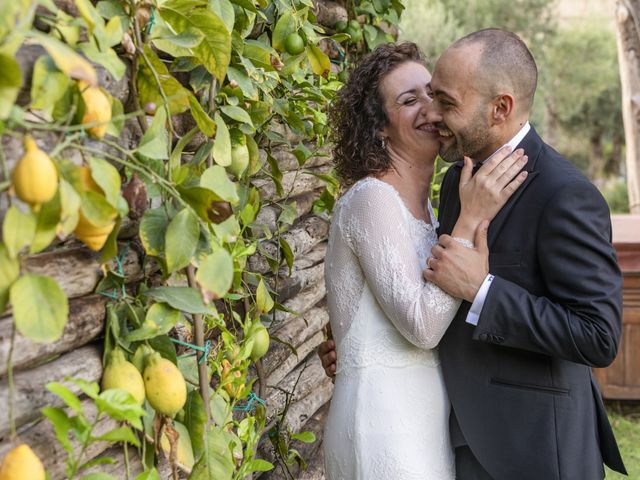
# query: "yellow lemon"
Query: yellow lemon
184,451
35,178
97,108
164,385
120,373
21,464
92,236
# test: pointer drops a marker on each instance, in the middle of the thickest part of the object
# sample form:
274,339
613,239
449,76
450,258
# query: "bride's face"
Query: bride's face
407,98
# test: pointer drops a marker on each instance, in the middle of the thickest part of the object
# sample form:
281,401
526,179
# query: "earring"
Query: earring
384,141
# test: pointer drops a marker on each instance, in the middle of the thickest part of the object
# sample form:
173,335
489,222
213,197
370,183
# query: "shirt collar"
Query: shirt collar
513,143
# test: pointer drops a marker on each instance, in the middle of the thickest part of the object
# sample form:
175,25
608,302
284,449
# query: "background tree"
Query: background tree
627,16
577,107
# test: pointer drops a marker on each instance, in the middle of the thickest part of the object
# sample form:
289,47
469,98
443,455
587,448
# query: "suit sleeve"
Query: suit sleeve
579,319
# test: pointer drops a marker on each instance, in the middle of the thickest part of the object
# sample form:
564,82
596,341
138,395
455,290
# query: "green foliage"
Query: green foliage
435,24
625,420
581,89
617,196
237,71
78,426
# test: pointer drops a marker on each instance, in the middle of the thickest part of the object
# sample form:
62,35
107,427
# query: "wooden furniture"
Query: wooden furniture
621,380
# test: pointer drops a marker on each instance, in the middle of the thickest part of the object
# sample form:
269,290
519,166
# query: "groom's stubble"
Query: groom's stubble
475,141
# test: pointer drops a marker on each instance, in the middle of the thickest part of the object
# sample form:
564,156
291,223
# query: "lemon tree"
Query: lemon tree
233,72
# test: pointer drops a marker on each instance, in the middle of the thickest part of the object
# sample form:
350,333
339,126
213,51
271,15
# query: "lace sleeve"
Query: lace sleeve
374,225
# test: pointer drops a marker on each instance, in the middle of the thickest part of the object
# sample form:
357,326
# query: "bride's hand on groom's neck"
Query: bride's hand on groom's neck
483,195
459,270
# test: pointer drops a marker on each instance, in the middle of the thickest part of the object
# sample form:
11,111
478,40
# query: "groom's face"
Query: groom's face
460,111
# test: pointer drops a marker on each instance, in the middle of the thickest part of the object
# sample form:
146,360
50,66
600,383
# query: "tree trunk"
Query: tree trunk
628,28
596,157
614,162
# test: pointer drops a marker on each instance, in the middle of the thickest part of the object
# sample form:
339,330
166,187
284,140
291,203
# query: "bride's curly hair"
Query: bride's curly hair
357,113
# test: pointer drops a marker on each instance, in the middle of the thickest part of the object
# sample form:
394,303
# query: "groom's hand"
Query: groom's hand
327,354
459,270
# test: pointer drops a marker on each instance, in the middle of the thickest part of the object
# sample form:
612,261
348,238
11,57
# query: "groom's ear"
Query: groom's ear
502,108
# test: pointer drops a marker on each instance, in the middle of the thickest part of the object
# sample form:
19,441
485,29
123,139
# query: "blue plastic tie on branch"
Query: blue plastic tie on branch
251,403
206,349
120,270
152,20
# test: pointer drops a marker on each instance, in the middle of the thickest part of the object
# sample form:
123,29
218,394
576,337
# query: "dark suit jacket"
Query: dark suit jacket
520,383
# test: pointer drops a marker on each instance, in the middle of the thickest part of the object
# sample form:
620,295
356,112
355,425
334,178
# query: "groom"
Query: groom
516,359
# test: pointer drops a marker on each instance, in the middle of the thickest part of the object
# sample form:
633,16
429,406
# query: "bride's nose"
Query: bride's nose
432,112
425,105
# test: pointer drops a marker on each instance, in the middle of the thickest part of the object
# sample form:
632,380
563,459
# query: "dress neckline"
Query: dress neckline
428,226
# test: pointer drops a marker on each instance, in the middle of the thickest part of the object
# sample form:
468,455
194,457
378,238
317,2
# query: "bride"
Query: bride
389,413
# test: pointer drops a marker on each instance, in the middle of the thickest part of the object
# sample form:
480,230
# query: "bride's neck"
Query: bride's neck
412,180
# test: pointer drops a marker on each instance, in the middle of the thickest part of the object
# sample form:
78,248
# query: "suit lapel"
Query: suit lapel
532,145
450,200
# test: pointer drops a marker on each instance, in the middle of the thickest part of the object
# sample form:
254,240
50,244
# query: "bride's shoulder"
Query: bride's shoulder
369,192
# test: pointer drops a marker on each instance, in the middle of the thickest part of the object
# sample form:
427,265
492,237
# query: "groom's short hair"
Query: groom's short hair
505,62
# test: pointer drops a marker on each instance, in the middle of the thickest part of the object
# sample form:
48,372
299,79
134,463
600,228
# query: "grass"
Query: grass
625,419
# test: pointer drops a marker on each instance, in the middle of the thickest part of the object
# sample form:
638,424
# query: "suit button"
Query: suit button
484,337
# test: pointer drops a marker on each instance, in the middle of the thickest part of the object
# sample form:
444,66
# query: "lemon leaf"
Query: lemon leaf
186,299
40,308
18,230
70,206
320,63
215,49
155,142
264,302
237,113
67,59
181,240
108,179
9,273
10,81
215,178
177,95
153,227
195,419
47,220
48,84
204,121
215,273
159,320
222,143
96,209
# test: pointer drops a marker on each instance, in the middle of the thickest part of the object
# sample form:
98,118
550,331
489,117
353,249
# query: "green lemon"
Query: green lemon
260,337
239,153
356,34
294,44
341,26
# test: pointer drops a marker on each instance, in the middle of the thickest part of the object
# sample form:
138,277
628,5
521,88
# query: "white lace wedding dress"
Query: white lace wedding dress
389,413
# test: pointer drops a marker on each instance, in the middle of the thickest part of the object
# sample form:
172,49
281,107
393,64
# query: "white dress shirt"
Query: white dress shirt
478,301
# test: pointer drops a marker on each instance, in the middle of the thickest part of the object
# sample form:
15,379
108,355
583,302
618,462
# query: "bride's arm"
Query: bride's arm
374,225
483,195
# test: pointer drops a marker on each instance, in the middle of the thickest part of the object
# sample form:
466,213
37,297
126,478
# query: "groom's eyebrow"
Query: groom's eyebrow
439,92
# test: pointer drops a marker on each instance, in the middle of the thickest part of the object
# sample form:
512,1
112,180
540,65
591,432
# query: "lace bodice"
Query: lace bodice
377,245
389,412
